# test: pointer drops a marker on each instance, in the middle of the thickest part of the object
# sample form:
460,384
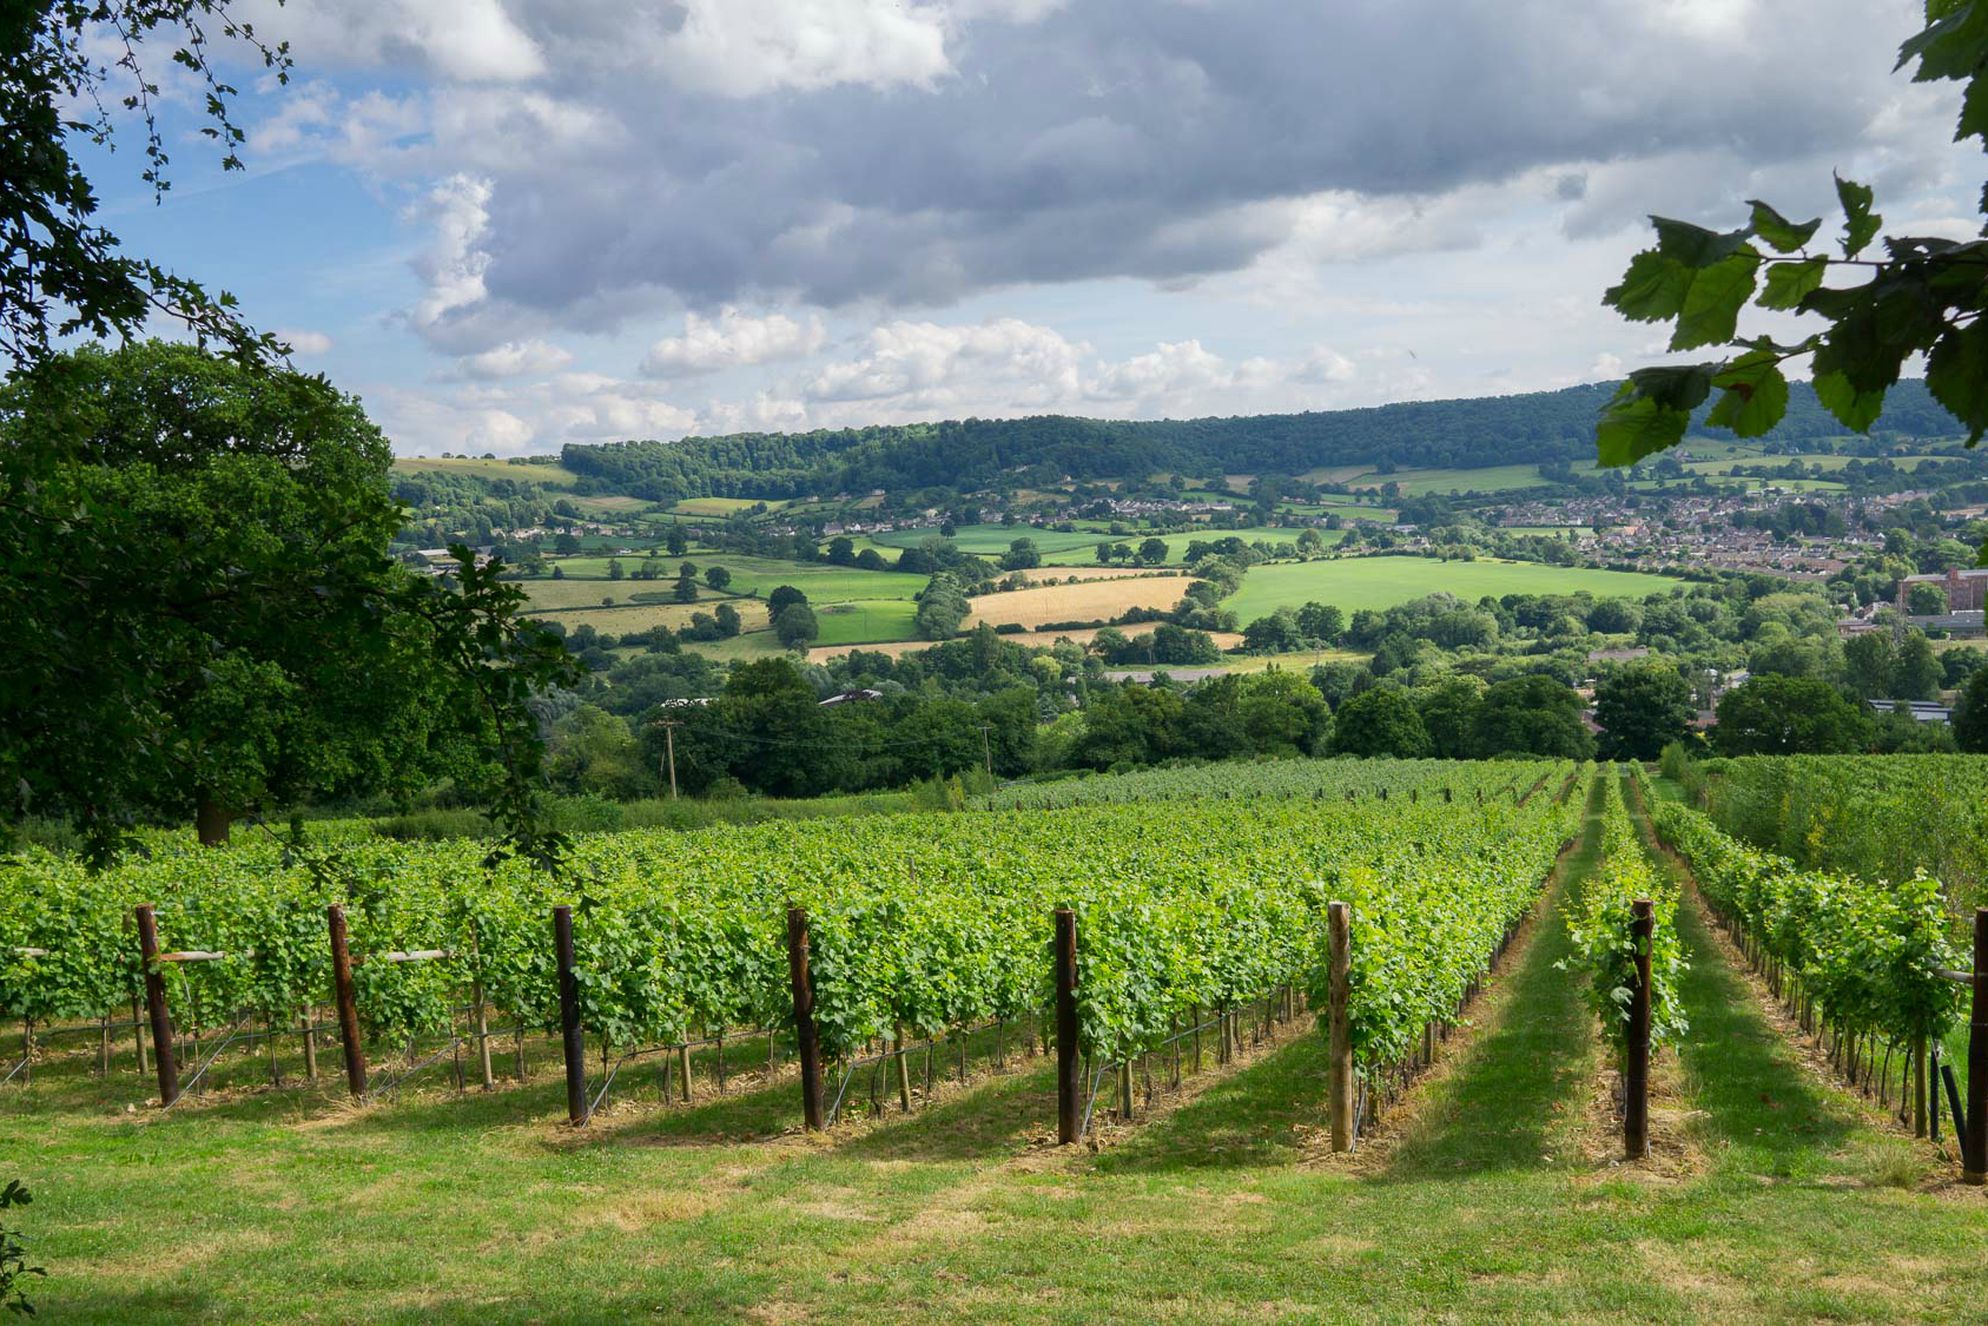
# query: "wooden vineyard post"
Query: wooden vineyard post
1636,1068
483,1037
138,1036
1339,1081
1918,1086
155,1002
348,1002
572,1041
1066,1026
310,1044
1974,1148
808,1042
903,1073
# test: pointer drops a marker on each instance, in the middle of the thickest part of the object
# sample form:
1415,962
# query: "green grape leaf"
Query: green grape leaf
1650,412
1754,395
1860,223
1789,283
1857,408
1712,306
1953,45
1957,375
1784,235
1652,290
1695,246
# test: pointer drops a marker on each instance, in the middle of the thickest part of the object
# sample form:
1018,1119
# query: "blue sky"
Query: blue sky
511,224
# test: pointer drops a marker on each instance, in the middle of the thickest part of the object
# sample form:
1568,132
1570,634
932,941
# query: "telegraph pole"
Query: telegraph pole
669,726
986,751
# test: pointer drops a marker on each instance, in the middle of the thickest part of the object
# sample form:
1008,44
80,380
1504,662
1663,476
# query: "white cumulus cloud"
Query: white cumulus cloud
732,340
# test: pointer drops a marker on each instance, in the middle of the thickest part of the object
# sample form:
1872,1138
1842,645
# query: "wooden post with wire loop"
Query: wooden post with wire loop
1636,1053
1067,1124
572,1042
163,1054
808,1040
1339,1025
348,1003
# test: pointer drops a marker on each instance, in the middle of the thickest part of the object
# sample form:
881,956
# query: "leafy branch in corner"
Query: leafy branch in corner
14,1266
1925,296
61,273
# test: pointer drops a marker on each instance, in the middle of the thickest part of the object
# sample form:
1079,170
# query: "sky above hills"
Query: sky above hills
510,224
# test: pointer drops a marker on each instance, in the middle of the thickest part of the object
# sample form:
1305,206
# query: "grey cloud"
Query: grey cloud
1134,138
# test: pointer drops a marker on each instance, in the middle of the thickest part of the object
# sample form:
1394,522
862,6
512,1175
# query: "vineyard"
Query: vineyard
918,926
1279,953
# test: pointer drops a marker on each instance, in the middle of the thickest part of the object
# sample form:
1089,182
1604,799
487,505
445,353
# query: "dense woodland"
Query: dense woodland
1532,428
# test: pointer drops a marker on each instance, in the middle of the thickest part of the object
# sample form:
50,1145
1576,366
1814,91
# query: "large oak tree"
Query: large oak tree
203,618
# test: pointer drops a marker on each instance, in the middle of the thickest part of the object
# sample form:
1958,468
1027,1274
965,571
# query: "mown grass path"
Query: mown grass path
1487,1207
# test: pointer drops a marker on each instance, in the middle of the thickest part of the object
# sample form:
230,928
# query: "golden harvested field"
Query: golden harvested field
1073,603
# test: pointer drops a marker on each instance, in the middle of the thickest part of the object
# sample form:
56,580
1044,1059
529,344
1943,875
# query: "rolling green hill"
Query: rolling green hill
1528,429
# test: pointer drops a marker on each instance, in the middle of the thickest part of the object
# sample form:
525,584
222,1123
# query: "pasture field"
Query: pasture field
1488,479
759,576
1352,583
1491,1190
552,476
1081,636
616,504
1177,543
724,506
991,540
821,582
864,621
626,615
1080,548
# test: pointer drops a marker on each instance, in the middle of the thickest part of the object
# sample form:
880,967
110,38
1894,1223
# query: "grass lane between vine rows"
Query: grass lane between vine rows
438,1210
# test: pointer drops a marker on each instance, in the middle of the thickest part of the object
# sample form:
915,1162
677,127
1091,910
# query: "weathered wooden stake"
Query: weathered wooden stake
483,1038
138,1036
1974,1168
903,1073
1339,1079
155,1002
348,1003
573,1041
1918,1086
804,1018
1636,1069
1066,1026
310,1044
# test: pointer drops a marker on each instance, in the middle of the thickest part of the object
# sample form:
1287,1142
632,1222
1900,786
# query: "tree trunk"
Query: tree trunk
211,821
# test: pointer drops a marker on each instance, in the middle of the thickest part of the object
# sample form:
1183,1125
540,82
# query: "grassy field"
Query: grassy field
1353,583
1080,548
821,582
625,616
988,540
865,621
1493,1193
553,476
723,506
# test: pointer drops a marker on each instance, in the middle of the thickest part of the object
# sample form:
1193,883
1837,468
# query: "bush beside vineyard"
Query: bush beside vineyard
1599,924
925,922
1868,953
1878,816
1319,779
